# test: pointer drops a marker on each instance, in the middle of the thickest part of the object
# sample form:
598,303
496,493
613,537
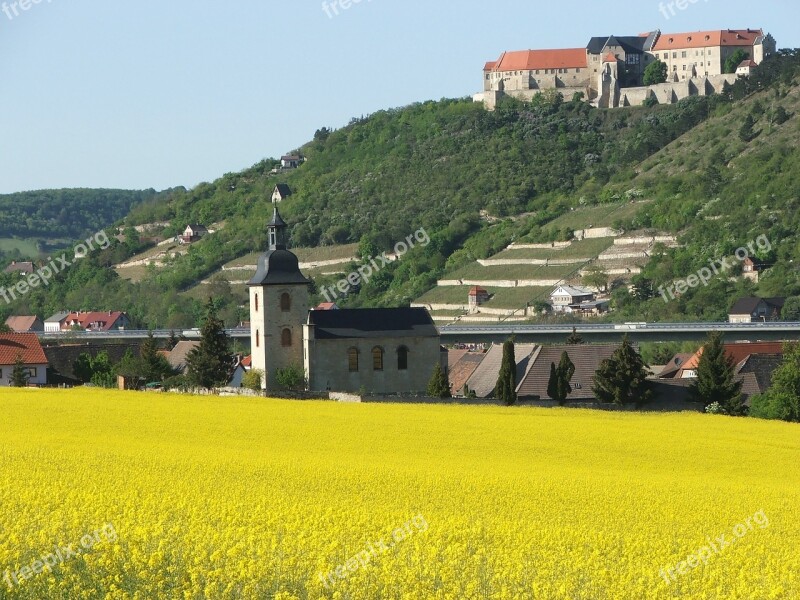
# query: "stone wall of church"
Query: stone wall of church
328,367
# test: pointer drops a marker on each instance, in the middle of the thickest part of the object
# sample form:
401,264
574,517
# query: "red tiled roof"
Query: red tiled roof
749,63
529,60
610,58
22,324
703,39
739,352
476,290
25,344
490,65
93,320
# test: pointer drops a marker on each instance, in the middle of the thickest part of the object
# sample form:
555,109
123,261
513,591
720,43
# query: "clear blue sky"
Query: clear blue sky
157,93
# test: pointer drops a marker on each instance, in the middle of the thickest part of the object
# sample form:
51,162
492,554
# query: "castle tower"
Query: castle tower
278,307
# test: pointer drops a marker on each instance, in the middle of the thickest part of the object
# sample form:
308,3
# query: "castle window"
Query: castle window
377,358
286,302
352,359
286,338
402,358
258,339
256,296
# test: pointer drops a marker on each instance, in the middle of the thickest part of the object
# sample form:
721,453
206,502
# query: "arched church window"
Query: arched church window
352,360
286,338
258,339
286,302
377,358
256,297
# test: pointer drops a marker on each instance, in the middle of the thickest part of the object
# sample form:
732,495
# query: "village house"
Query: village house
586,358
24,267
24,346
281,193
378,351
291,161
25,324
756,310
92,321
736,351
564,297
55,323
193,233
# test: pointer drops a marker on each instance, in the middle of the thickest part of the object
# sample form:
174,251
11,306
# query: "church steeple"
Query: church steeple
277,231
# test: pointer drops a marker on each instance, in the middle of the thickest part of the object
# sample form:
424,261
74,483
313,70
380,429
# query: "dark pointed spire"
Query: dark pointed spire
277,231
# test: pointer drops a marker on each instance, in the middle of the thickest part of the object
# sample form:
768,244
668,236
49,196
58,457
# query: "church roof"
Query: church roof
278,267
355,323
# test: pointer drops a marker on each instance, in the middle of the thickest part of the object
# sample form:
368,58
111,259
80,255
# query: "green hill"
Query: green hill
718,170
32,223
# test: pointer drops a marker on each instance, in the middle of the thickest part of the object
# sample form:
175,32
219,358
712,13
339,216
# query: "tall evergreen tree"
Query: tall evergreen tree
19,375
622,379
782,399
715,378
210,364
439,386
506,388
558,388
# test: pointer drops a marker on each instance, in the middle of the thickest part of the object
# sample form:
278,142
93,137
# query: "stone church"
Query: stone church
380,351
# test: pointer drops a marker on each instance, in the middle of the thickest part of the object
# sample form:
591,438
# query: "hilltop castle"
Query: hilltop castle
609,70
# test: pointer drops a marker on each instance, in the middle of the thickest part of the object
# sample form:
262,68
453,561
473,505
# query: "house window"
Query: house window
683,54
352,360
402,358
32,372
286,302
286,338
258,339
256,296
377,358
674,55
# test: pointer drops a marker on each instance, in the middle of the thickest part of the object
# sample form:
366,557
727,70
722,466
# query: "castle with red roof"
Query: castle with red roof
609,71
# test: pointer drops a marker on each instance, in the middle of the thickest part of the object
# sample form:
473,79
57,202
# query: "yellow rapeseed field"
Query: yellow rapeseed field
124,495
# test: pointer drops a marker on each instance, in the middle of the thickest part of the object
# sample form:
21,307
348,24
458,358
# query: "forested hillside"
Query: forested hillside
68,213
718,170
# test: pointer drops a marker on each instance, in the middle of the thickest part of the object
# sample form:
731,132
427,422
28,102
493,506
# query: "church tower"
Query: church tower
278,307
